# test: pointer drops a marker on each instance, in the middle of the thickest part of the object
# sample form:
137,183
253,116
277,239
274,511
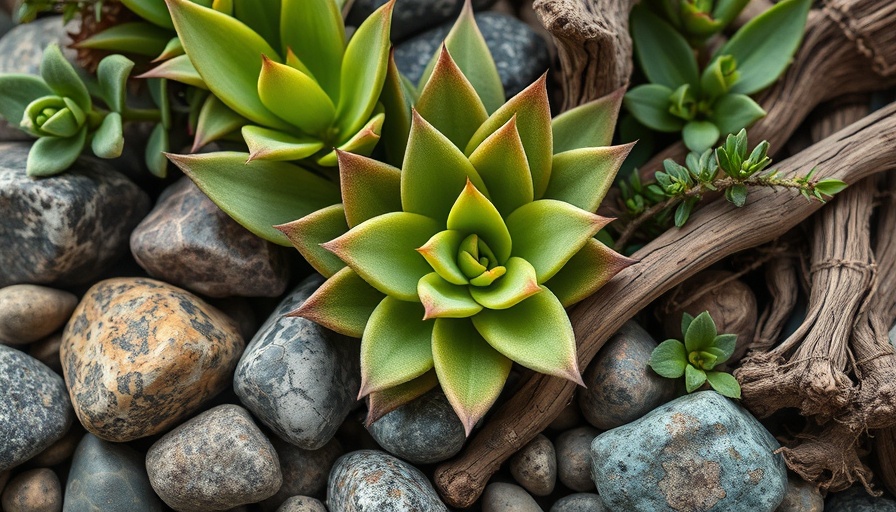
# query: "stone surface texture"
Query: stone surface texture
534,466
139,355
580,502
501,497
411,16
856,499
801,496
29,312
35,490
304,472
186,240
574,458
302,504
60,451
409,432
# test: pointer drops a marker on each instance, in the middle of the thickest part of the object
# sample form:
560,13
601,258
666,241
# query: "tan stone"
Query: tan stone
37,490
29,312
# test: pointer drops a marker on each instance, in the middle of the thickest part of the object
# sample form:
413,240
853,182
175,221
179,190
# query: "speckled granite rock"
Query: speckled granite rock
215,461
652,463
374,481
298,378
412,16
304,472
520,54
409,431
35,490
139,355
29,312
34,407
501,497
302,504
620,386
855,499
186,240
580,502
72,226
108,477
801,496
574,458
534,466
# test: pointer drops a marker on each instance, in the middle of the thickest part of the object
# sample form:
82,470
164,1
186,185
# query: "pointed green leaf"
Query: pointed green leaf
364,70
108,141
309,232
649,104
361,143
586,272
313,29
136,37
701,333
693,378
732,112
62,78
262,16
723,346
441,254
700,135
518,284
382,251
156,147
535,333
669,359
501,161
664,55
369,187
589,125
830,186
737,194
295,97
725,384
179,69
343,303
18,92
764,47
172,49
62,124
533,120
471,372
547,233
381,403
52,155
442,299
112,73
227,55
582,177
259,195
274,145
397,99
434,172
473,213
216,120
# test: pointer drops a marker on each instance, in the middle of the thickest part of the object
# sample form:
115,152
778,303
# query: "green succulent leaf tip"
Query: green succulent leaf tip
457,263
695,359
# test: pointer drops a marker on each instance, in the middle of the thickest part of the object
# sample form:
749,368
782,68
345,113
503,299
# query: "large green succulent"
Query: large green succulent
464,260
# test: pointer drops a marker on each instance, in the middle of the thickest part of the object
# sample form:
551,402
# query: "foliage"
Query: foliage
706,104
698,20
703,349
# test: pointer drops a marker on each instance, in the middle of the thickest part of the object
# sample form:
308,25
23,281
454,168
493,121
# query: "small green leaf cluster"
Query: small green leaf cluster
705,105
28,10
695,359
698,20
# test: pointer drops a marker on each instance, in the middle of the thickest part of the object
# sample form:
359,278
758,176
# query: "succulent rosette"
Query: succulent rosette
463,261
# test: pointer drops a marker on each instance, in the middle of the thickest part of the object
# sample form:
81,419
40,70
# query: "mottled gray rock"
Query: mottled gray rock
374,481
409,432
304,472
186,240
801,496
652,463
501,497
36,490
108,477
298,378
72,226
580,502
302,504
620,386
534,466
574,458
412,16
29,312
139,355
34,407
520,54
215,461
855,499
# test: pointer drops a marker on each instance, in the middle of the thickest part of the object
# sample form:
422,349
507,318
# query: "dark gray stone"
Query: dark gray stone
302,504
215,461
409,432
856,499
801,496
29,313
304,472
298,378
574,458
652,463
501,497
6,23
188,241
412,16
520,54
580,502
620,386
35,410
108,477
374,481
36,490
534,466
72,226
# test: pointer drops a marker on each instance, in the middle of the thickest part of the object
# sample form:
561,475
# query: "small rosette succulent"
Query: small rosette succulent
463,261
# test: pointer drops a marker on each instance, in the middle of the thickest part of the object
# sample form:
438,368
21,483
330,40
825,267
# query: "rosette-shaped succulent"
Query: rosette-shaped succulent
463,261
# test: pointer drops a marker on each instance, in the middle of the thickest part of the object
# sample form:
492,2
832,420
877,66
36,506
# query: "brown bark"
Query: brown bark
713,233
783,286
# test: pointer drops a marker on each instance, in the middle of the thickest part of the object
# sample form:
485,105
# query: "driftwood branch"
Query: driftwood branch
714,232
593,43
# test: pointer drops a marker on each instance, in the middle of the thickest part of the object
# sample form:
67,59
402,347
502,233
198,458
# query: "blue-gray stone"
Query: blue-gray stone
374,481
856,499
108,477
35,410
620,386
72,226
305,472
699,452
580,502
412,16
520,54
504,497
298,378
409,431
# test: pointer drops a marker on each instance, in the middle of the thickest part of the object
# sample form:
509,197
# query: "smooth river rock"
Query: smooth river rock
302,504
801,496
35,490
856,499
304,472
412,16
534,466
374,481
574,458
580,502
29,312
139,355
501,497
409,431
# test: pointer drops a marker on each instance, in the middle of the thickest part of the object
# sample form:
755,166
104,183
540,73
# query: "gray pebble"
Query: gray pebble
304,472
856,499
36,490
412,16
501,497
29,312
580,502
534,466
409,431
574,458
302,504
215,461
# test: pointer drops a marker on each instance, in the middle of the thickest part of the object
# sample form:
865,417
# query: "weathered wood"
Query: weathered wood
714,232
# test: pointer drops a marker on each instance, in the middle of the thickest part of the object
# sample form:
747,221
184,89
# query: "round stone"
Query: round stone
534,466
304,472
29,312
857,499
580,502
409,431
574,458
36,490
374,481
501,497
801,496
302,504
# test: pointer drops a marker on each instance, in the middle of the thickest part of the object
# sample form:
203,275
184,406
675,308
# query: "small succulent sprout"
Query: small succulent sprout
463,261
698,20
696,359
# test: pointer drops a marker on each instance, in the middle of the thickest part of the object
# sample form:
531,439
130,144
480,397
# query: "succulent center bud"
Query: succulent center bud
54,116
477,261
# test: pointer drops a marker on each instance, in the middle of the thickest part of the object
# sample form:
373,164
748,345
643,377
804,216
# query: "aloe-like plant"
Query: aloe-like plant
463,261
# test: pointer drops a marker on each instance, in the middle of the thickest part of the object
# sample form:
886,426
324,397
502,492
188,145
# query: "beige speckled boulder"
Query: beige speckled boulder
139,355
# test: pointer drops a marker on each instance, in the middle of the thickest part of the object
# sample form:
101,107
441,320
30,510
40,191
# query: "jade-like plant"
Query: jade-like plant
698,20
463,261
695,359
708,104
